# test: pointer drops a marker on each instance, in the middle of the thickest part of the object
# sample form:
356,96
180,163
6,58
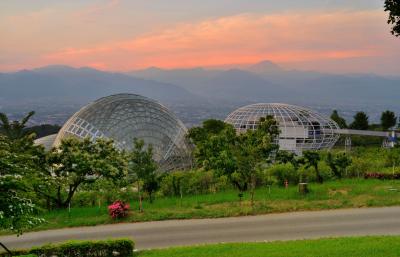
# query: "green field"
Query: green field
347,193
383,246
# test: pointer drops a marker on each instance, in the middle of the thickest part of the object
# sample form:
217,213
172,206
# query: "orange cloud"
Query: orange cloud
240,39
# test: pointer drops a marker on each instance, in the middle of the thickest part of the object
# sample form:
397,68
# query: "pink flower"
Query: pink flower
118,209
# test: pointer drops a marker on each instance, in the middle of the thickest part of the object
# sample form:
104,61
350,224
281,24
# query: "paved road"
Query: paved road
287,226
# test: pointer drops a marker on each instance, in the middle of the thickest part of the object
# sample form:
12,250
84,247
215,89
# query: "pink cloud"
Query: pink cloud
247,38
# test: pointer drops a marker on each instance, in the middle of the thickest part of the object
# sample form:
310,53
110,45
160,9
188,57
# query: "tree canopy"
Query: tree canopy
388,119
338,119
77,162
360,121
393,7
17,211
142,166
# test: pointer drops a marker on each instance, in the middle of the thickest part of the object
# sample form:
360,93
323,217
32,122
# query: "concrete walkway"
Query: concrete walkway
286,226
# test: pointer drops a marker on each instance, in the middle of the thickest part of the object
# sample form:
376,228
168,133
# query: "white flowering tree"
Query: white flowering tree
17,212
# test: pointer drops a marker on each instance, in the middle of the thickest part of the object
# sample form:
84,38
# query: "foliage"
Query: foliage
338,119
118,209
311,159
388,120
377,175
338,163
360,121
393,7
252,149
238,156
105,248
284,172
393,157
142,166
17,211
76,162
192,182
14,129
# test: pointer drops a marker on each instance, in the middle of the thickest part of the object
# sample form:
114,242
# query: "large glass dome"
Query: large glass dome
124,117
301,128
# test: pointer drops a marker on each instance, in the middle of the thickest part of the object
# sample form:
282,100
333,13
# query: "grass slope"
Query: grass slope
347,193
386,246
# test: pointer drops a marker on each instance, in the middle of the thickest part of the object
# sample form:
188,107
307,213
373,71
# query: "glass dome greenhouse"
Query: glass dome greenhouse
124,117
300,128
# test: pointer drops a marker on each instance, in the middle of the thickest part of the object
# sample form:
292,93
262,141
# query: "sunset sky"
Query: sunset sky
120,35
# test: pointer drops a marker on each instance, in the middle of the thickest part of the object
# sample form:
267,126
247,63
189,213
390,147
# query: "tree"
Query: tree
360,121
290,157
142,165
338,119
15,129
311,159
338,163
76,162
252,149
388,120
17,211
214,148
393,7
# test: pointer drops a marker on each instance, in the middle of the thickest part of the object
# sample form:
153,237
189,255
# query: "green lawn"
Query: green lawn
382,246
331,195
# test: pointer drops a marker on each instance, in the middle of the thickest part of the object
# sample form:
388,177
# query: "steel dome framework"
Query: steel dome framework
124,117
301,128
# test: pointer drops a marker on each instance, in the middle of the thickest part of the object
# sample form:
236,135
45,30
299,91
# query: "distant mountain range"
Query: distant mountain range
262,82
266,82
66,84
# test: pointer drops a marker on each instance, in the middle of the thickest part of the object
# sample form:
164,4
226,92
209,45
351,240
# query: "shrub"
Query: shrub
283,172
376,175
108,248
118,209
105,248
359,167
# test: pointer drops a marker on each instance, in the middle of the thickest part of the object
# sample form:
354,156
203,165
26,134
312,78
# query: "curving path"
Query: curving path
286,226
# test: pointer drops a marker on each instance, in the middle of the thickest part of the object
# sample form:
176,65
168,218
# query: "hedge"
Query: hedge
106,248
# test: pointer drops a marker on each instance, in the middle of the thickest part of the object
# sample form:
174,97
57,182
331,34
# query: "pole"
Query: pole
5,248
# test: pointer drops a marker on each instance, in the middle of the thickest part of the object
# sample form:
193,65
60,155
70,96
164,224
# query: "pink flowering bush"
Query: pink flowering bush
118,209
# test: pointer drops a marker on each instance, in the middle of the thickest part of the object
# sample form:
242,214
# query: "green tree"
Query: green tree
14,129
142,166
393,7
311,159
388,119
285,157
76,162
338,119
214,148
252,150
360,121
17,211
338,163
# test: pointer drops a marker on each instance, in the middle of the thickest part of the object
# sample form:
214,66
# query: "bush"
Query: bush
106,248
358,167
376,175
283,172
118,209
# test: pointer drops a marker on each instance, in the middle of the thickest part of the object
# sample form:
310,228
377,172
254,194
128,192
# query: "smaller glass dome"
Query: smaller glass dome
301,128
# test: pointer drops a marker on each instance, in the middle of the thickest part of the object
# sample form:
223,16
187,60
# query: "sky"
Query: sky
338,36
